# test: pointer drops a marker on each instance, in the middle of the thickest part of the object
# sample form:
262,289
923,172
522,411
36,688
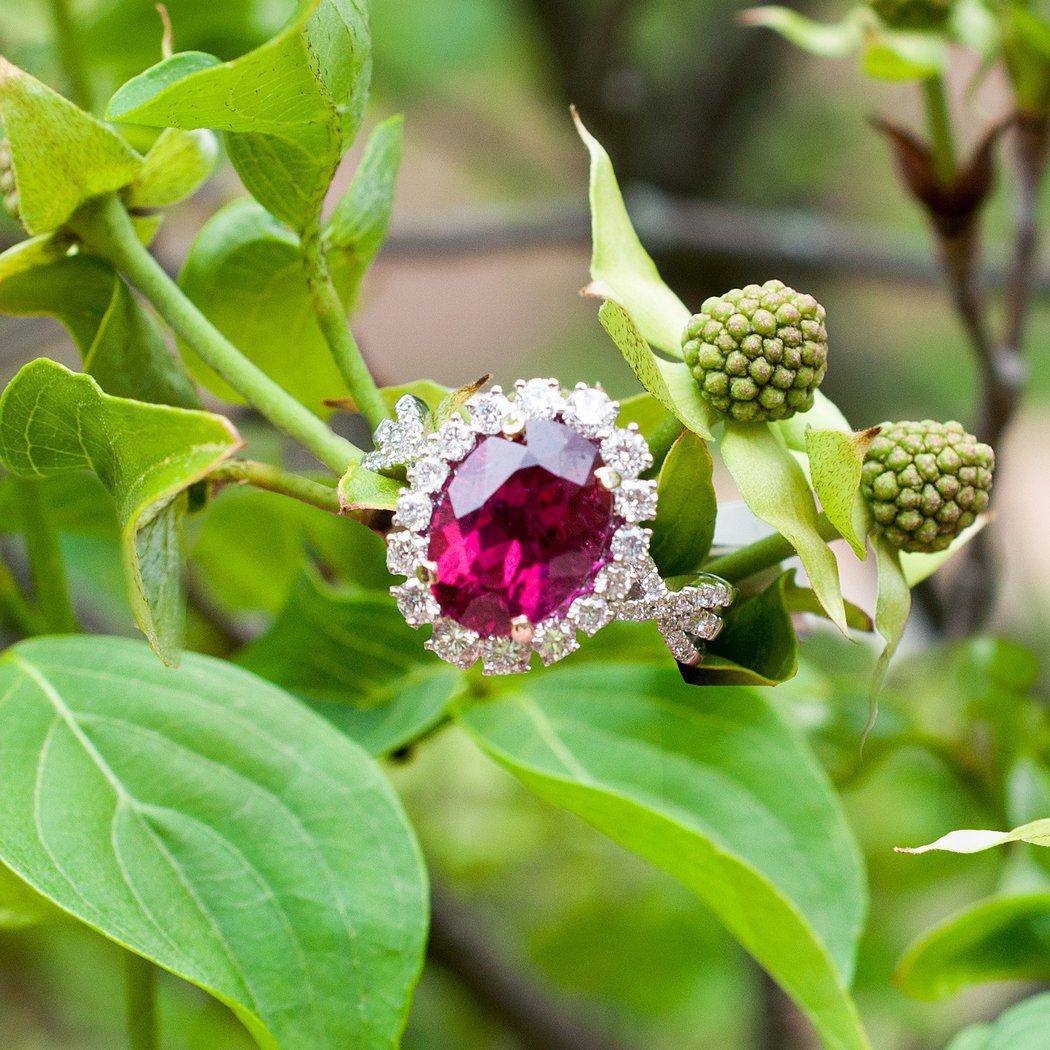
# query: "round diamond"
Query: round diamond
454,644
413,510
501,655
454,439
614,582
591,411
404,551
636,500
415,601
539,398
630,542
521,529
627,451
681,646
554,640
487,411
428,474
590,614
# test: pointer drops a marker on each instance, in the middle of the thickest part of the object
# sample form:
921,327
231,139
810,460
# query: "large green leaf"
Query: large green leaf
711,786
685,518
999,939
620,266
62,156
670,382
53,421
19,904
207,821
1023,1027
353,658
290,108
773,486
122,343
835,462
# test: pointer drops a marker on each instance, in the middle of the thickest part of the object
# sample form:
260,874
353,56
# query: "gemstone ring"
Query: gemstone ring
523,525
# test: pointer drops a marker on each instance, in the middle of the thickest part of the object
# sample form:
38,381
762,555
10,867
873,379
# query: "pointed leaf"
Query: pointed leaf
206,820
1022,1027
824,415
285,134
892,609
685,518
352,657
1003,938
20,905
53,421
619,263
895,55
122,343
712,787
773,486
1036,832
918,567
363,489
835,40
61,155
835,462
177,165
670,382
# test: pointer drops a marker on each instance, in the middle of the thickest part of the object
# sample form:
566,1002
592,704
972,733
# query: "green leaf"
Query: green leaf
352,657
685,518
1036,832
177,165
895,55
818,38
773,486
363,489
824,415
53,421
285,134
712,787
20,905
892,609
1022,1027
621,267
205,820
121,342
835,461
918,567
670,382
644,410
61,155
1003,938
803,600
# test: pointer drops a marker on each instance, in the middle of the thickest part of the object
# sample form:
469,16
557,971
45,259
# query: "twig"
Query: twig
458,945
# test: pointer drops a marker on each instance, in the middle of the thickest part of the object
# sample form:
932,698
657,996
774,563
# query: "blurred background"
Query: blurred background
741,159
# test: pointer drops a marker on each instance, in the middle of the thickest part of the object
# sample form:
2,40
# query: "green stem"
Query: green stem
73,64
939,129
140,988
15,611
762,554
331,317
273,479
106,227
45,560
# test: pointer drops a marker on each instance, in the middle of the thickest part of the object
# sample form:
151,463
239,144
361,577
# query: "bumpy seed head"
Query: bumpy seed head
758,352
8,189
913,14
926,482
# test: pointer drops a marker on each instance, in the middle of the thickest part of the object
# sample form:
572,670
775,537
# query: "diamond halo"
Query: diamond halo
626,585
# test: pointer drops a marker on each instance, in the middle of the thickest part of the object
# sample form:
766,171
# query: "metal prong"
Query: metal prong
513,424
427,572
521,629
608,477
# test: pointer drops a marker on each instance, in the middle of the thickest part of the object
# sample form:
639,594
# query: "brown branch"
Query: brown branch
458,945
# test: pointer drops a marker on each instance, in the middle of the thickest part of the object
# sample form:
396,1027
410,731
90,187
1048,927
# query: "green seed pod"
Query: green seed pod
758,352
926,482
913,14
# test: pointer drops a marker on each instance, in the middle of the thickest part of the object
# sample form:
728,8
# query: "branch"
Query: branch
458,945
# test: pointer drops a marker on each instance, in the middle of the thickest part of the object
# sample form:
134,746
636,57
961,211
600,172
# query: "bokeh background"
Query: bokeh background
741,159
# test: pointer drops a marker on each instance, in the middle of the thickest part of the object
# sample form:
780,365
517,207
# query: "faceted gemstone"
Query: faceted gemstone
520,529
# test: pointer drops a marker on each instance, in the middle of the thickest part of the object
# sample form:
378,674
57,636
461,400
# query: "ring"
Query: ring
522,525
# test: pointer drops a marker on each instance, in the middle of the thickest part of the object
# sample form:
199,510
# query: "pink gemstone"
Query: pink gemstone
521,528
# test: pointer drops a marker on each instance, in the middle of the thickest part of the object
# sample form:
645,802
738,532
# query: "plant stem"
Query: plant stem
45,560
331,317
939,129
140,986
762,554
15,611
106,227
71,55
273,479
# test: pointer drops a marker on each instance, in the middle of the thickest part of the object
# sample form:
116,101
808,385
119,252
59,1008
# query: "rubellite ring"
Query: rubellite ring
522,525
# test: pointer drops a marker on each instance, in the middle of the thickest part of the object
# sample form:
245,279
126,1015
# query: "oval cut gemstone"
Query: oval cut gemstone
520,529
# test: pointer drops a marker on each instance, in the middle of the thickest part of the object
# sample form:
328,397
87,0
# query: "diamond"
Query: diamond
454,644
636,500
428,474
627,451
487,411
413,510
591,411
630,542
590,613
415,601
706,625
409,416
539,398
398,442
682,648
614,582
404,551
554,640
455,438
521,529
501,655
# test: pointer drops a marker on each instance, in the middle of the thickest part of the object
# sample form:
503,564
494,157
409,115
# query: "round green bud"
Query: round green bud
758,352
926,482
913,14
